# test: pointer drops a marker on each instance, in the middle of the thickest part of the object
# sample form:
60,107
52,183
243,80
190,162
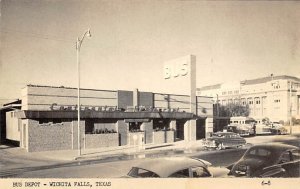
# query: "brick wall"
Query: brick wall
45,137
101,140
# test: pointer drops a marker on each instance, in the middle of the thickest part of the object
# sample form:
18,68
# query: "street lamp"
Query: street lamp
290,107
78,46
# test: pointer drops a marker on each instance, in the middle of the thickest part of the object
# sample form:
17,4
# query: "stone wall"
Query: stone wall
101,140
46,137
160,137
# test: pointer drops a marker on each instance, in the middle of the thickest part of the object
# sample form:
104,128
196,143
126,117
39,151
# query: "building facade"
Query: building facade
47,118
274,97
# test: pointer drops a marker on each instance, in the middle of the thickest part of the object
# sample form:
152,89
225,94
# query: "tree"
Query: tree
231,109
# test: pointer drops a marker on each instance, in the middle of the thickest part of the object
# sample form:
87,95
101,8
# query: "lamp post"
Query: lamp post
290,107
78,46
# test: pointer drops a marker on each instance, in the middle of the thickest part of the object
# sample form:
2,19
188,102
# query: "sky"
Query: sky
131,40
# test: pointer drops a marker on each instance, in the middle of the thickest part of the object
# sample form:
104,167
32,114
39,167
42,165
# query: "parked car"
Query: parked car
262,129
242,130
176,167
268,160
278,129
222,140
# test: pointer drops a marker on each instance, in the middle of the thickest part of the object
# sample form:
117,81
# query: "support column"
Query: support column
191,124
190,130
123,130
147,127
209,127
173,125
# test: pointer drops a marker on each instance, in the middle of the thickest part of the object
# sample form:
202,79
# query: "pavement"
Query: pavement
70,155
15,157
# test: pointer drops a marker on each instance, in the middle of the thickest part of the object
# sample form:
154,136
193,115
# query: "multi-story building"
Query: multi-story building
273,97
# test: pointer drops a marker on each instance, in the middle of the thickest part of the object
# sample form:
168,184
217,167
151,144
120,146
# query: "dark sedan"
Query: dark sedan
222,140
268,160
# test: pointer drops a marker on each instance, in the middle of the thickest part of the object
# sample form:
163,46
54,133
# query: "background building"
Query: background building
274,97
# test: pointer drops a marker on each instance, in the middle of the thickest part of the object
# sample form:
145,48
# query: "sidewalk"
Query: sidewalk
102,153
124,151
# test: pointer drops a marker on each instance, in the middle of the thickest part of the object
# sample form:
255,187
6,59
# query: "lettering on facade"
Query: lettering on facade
176,70
55,106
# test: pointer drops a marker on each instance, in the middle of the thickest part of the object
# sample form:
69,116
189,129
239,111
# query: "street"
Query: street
117,167
121,168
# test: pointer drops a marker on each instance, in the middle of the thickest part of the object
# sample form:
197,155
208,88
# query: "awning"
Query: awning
90,114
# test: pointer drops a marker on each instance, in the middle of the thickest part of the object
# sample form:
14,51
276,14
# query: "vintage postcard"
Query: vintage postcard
149,94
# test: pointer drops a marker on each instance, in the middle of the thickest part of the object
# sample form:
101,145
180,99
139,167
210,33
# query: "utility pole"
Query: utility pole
290,107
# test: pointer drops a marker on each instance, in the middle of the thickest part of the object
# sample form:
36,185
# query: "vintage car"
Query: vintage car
268,160
278,129
175,167
242,130
262,129
222,140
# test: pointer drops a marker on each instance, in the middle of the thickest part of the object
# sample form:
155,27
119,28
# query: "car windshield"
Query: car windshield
218,135
141,173
258,153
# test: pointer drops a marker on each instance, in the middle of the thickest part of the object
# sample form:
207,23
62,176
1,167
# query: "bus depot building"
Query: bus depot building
47,118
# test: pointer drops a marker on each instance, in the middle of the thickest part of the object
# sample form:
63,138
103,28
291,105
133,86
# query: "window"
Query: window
277,101
285,157
257,100
181,173
200,172
296,154
138,172
229,92
258,152
236,92
223,102
224,93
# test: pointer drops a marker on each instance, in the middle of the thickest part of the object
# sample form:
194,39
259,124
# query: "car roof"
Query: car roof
276,148
166,166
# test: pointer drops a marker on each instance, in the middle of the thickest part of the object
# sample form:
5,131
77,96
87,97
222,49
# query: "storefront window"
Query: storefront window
135,126
161,125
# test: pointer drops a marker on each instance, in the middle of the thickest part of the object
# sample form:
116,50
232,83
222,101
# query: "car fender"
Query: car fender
273,171
218,172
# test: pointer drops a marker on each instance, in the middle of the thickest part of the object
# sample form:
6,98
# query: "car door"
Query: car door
292,167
